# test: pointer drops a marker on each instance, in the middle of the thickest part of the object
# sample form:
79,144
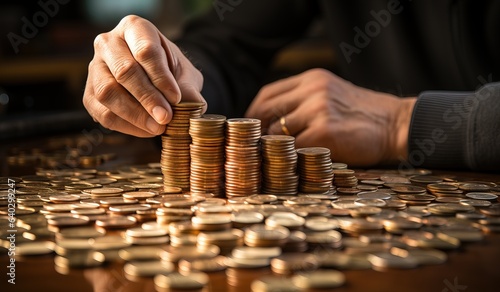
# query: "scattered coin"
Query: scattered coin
319,279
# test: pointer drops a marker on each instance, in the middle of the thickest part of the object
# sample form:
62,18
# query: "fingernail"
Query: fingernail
160,114
152,125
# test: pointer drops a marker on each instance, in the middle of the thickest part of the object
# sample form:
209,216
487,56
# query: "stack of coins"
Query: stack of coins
315,169
242,157
175,155
279,165
207,154
345,178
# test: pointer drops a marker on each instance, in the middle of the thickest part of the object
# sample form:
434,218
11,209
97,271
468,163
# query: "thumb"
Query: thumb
190,82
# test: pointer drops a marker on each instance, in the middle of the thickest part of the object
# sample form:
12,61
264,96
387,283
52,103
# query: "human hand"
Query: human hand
135,75
360,126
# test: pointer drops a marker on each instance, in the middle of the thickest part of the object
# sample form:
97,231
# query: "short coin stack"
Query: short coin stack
175,154
242,157
345,178
315,169
279,165
207,154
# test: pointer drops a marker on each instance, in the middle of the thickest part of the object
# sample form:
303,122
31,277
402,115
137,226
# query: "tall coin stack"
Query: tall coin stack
207,154
315,169
242,157
175,154
279,165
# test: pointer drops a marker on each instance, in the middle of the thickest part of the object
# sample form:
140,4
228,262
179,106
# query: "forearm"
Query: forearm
456,129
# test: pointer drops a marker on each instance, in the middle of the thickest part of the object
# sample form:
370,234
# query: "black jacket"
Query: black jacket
441,51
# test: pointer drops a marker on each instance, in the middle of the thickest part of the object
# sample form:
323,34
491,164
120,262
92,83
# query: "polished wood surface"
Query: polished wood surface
473,267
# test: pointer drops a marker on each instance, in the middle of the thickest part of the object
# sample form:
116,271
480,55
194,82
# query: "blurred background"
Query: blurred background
46,46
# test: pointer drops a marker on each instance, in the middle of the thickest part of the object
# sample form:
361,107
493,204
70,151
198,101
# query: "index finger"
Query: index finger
145,45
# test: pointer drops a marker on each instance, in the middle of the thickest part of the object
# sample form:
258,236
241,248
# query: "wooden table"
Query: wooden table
473,267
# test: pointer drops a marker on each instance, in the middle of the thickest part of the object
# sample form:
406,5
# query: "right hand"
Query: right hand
135,75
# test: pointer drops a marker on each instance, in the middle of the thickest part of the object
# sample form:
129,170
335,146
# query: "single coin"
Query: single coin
34,248
442,187
475,203
408,189
343,261
108,242
493,210
203,265
370,202
294,262
415,197
364,211
141,232
106,191
246,263
470,216
174,254
426,179
286,219
321,223
80,232
247,252
319,279
374,195
148,268
481,196
171,190
490,221
192,280
265,232
64,198
389,260
74,220
331,237
116,222
274,284
140,253
188,105
247,217
422,256
474,187
140,195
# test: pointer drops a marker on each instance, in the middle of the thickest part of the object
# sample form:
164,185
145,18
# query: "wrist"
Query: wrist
401,129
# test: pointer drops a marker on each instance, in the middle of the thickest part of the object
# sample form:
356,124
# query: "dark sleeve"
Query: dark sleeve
235,42
456,130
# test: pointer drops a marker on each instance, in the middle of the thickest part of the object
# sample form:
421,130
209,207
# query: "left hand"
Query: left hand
360,126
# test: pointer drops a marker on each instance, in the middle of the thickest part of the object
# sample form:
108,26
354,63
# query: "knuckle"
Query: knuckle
263,93
320,77
123,69
147,99
107,119
318,72
100,41
319,103
105,90
130,20
146,50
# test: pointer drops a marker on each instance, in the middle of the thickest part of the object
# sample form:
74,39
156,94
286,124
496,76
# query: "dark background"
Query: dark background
42,80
